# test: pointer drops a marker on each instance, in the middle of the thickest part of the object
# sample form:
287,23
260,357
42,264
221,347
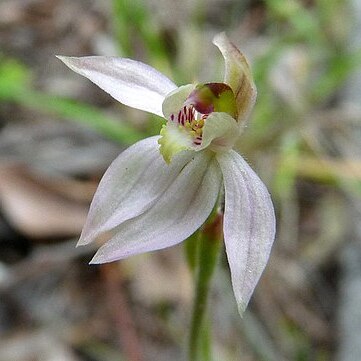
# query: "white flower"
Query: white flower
162,189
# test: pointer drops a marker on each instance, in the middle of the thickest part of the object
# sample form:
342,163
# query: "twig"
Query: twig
119,309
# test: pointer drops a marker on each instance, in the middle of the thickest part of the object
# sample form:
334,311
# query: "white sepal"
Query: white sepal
177,214
131,82
249,225
238,76
131,184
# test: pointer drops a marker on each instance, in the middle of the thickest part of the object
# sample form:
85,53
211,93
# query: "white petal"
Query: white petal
182,209
220,131
173,140
131,82
249,225
130,186
175,100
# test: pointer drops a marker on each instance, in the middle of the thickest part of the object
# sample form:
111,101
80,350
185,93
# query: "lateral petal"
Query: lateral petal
178,213
249,225
131,184
131,82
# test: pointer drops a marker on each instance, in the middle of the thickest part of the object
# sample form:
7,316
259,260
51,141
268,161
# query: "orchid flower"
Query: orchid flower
159,191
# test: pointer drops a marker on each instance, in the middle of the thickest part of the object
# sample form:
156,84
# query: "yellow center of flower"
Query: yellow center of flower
186,118
203,100
186,125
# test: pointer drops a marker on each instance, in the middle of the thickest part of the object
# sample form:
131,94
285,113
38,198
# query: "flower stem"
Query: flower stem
209,241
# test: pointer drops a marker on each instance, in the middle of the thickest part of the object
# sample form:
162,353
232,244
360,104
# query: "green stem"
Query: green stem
208,245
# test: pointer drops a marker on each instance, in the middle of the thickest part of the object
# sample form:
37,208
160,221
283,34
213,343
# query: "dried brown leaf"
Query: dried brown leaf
35,206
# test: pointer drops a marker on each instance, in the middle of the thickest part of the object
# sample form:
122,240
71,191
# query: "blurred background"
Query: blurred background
59,132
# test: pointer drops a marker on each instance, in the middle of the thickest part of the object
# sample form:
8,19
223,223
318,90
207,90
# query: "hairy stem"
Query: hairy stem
207,246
